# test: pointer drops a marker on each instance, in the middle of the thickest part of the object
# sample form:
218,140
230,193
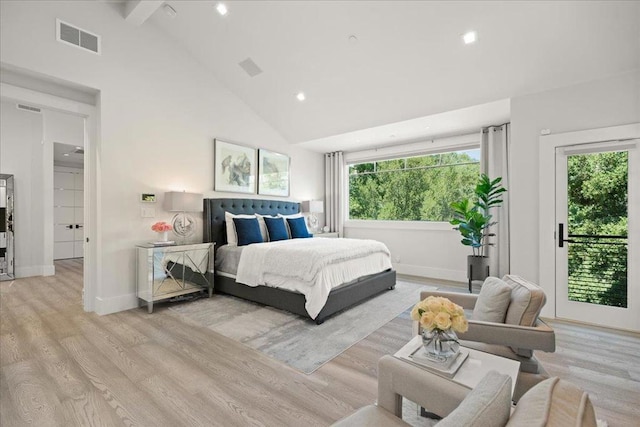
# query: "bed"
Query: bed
339,298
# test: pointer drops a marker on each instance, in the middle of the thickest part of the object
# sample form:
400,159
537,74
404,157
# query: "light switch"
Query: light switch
148,212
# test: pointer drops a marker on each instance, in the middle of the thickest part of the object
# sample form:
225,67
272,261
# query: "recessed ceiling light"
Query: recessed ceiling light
470,37
66,154
78,148
301,96
221,8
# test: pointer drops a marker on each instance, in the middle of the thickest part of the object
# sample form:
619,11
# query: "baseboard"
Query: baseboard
48,270
435,273
115,304
35,270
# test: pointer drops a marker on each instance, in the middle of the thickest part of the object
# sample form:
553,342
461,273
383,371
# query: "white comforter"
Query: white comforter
311,266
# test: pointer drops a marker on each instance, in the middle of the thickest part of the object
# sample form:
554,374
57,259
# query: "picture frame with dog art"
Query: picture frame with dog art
234,168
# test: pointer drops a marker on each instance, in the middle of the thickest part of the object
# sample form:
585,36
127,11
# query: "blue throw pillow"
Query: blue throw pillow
298,228
248,231
276,229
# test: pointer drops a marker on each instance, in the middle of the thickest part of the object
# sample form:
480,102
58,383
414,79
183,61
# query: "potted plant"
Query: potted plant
473,219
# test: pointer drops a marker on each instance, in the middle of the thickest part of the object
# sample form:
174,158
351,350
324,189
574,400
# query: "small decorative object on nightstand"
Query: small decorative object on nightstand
165,272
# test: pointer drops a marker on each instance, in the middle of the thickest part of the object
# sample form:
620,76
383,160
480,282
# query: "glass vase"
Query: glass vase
440,343
163,236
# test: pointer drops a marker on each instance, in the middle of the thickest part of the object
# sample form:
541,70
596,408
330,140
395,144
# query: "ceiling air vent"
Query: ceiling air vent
69,34
28,108
250,67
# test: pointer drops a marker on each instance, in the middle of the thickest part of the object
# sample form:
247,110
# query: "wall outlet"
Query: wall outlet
397,258
147,212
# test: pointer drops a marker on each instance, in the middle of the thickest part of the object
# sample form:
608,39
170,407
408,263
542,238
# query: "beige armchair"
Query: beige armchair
517,335
552,403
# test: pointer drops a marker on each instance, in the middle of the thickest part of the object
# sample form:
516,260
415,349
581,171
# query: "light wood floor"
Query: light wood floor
63,367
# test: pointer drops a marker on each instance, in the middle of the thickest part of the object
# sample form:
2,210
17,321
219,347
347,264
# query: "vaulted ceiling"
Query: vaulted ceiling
399,67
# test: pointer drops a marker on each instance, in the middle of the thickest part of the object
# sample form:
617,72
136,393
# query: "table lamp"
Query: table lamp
184,224
313,207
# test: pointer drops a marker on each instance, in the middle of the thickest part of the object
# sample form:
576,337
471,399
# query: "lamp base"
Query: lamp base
184,225
313,222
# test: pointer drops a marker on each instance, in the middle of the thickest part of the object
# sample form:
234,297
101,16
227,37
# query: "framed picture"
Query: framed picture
234,168
273,172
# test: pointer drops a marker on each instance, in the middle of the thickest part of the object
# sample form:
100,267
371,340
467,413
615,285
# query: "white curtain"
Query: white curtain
334,191
495,163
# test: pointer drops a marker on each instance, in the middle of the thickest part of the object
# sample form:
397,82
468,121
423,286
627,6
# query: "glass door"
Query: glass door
597,198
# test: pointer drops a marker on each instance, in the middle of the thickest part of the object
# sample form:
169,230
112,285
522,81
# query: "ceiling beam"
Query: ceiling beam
137,12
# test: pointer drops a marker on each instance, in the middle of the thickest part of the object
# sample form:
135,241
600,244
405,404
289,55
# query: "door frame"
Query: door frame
92,249
547,197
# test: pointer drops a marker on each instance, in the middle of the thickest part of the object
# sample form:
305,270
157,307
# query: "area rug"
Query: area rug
292,339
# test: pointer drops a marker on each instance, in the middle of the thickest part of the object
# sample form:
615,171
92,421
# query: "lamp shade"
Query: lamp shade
313,206
181,201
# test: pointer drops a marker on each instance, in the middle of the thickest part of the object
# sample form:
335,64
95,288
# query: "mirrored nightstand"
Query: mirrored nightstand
165,272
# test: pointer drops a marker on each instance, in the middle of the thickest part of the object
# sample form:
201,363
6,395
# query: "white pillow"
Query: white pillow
296,215
493,301
263,226
232,236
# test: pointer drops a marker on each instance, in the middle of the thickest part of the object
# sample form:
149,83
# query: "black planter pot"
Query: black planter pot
477,268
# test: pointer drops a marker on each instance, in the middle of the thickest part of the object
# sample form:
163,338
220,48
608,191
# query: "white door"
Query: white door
597,208
68,213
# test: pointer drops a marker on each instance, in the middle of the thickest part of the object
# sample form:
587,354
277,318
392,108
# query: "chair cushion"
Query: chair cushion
493,301
370,416
527,299
488,404
554,402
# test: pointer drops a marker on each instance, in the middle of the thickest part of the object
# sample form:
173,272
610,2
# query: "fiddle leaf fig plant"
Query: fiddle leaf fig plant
472,217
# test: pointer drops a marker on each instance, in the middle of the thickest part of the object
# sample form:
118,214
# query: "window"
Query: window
417,188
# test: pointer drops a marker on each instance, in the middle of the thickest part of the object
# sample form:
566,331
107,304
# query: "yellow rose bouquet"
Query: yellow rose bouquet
440,313
440,320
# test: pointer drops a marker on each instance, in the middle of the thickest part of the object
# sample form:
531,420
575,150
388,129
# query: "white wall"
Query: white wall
435,252
602,103
159,113
21,154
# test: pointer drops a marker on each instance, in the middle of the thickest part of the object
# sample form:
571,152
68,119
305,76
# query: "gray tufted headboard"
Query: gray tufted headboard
214,209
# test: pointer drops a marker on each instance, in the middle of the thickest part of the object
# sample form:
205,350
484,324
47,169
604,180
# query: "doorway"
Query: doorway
77,101
68,200
597,198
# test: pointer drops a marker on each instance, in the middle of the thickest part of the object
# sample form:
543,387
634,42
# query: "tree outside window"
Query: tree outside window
419,188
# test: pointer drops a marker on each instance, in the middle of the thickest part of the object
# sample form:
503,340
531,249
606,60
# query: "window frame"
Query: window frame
465,142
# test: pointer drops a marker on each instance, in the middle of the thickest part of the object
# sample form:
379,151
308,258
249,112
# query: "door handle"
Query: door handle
561,238
70,226
78,226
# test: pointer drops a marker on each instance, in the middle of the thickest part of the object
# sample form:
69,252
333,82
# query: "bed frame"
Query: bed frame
339,298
